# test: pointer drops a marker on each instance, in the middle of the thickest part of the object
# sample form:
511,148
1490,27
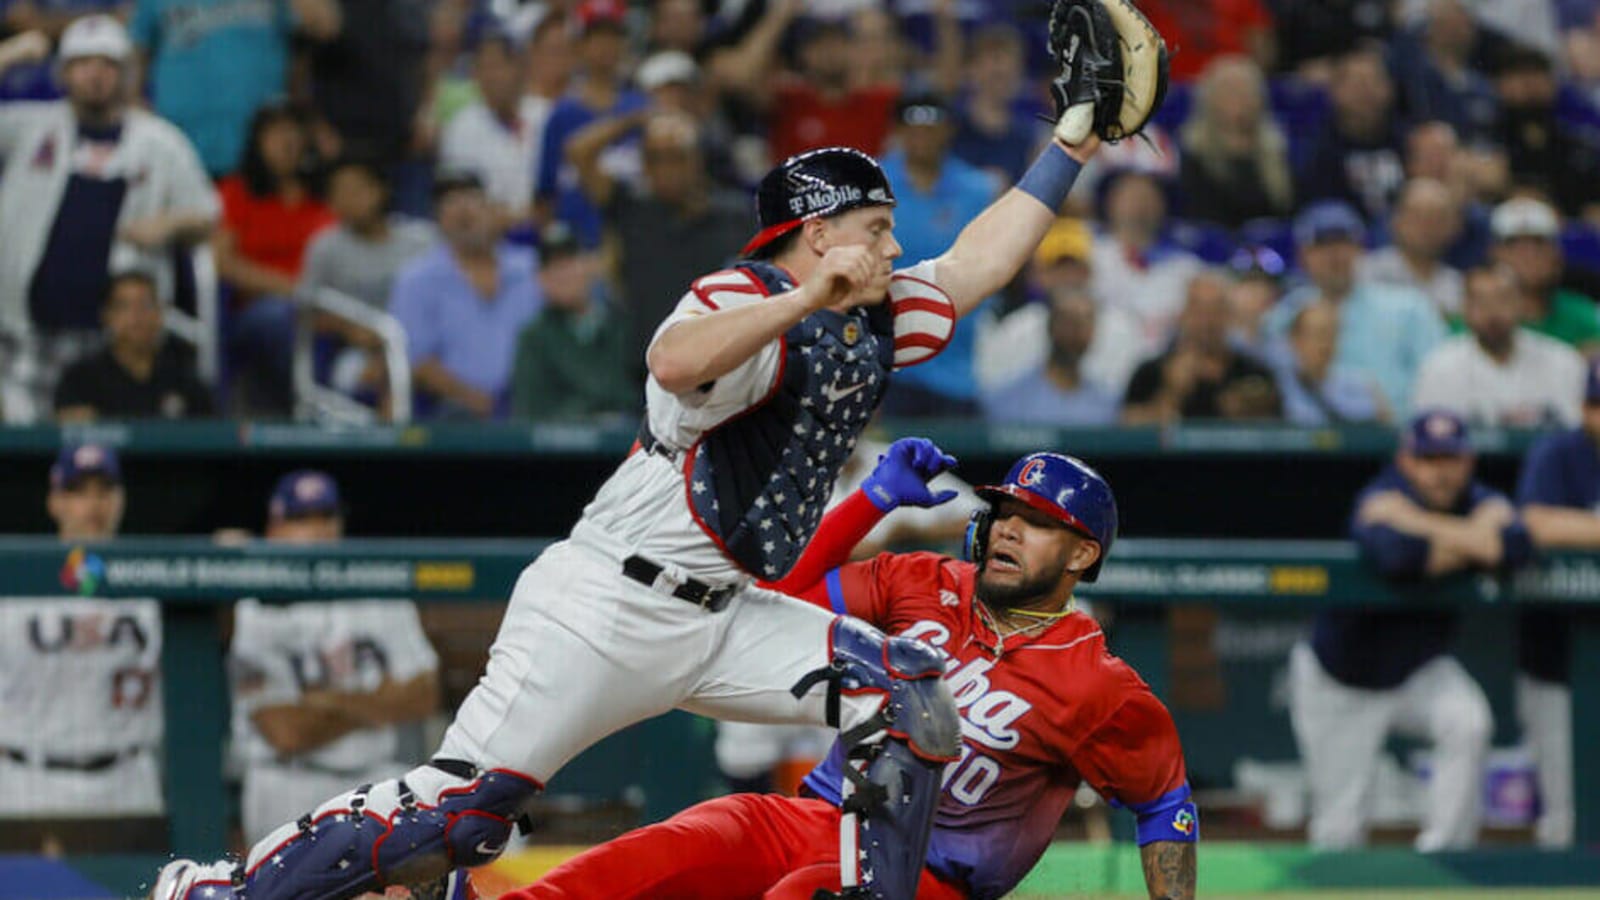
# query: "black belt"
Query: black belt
98,763
697,592
649,444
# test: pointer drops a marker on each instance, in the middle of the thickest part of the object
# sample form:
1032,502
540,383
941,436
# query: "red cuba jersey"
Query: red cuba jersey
1041,713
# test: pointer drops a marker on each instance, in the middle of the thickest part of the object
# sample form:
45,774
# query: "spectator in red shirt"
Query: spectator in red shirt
270,211
1202,30
821,105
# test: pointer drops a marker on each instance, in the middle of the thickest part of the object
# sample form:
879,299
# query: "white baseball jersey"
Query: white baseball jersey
644,504
80,707
80,678
584,650
280,652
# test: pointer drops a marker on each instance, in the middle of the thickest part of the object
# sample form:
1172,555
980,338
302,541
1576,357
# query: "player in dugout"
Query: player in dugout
1367,672
1558,493
1044,706
81,721
322,691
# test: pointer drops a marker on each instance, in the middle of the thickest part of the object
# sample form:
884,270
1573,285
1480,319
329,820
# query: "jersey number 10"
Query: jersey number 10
969,778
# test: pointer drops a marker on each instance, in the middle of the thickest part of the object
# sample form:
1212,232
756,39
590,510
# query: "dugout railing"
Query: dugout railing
192,576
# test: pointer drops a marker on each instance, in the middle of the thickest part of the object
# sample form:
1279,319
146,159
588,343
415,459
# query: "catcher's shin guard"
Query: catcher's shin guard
410,830
895,758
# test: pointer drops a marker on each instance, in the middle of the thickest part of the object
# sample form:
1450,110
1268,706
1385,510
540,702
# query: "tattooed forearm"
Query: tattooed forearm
1169,869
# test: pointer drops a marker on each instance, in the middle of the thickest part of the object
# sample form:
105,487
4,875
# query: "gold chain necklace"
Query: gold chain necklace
1045,619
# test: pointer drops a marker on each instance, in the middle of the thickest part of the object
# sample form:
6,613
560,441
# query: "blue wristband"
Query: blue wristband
1170,817
1050,177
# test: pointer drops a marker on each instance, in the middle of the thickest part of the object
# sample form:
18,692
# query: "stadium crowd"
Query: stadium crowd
1349,210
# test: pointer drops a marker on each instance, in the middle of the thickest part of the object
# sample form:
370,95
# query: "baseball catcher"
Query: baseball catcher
761,381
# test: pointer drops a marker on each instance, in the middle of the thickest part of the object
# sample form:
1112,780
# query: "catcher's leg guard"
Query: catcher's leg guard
409,830
896,757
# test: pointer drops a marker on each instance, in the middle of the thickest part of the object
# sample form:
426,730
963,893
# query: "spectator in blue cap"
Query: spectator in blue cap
1367,672
86,499
1384,330
935,192
305,509
1559,494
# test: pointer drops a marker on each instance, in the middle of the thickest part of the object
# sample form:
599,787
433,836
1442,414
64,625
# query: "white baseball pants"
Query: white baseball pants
1545,711
131,787
1341,730
272,794
584,651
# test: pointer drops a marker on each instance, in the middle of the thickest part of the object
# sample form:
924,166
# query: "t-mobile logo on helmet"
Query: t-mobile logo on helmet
824,199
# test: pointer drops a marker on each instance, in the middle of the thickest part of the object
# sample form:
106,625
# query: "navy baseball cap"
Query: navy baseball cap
76,462
1329,220
450,179
304,493
1257,261
1437,432
558,241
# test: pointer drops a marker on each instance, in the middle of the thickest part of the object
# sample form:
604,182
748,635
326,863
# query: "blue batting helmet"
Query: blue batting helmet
1063,488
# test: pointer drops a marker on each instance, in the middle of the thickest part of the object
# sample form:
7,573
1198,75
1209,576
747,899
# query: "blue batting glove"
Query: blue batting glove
902,475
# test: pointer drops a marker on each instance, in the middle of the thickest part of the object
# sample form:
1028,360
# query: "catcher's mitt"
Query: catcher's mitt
1113,69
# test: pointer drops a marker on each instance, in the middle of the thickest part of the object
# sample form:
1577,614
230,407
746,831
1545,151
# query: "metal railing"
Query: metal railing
322,403
200,329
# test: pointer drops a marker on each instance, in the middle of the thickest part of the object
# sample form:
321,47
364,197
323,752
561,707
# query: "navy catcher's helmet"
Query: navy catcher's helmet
1063,488
814,184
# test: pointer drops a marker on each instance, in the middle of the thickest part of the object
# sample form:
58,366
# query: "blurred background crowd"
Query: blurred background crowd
1348,209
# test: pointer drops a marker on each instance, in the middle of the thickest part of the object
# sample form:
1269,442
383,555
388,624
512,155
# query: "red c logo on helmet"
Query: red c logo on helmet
1032,472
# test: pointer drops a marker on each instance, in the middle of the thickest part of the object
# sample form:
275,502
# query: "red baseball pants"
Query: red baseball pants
739,847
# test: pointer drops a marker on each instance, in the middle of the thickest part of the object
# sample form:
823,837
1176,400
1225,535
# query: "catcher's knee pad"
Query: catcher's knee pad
895,758
403,831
